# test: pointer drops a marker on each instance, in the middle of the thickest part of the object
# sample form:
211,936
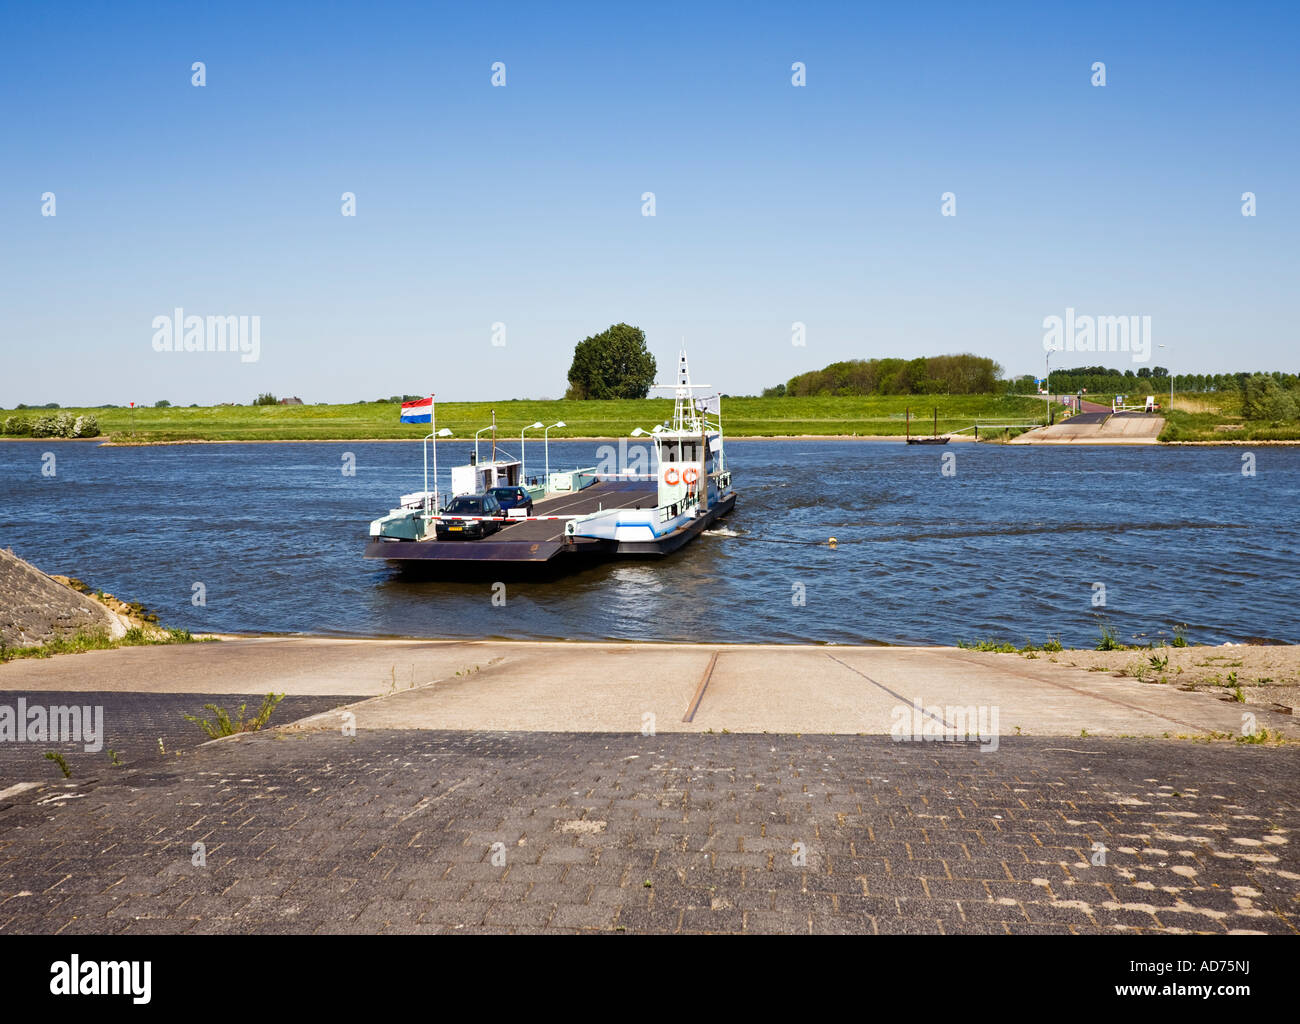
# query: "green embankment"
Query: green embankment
1216,416
741,417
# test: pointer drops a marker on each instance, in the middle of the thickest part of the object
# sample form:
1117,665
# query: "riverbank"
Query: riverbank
36,609
1218,420
896,438
876,417
870,418
41,616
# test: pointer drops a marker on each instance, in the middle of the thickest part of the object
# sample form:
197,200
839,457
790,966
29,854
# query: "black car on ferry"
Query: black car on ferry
462,519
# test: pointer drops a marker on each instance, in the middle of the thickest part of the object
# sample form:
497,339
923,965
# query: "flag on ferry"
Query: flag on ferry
712,404
420,411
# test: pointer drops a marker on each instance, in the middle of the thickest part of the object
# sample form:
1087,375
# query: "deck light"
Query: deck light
444,432
490,426
522,475
546,443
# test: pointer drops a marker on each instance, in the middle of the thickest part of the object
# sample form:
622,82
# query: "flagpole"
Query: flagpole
426,472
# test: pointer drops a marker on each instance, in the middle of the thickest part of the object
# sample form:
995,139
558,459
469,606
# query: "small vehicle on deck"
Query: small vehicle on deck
513,498
451,526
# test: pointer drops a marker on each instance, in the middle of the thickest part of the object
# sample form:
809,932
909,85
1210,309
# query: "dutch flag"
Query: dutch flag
420,411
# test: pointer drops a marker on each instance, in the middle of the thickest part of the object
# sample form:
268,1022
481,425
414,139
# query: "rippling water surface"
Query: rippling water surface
1009,547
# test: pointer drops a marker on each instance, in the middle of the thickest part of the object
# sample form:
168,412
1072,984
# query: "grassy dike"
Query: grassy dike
1216,417
741,417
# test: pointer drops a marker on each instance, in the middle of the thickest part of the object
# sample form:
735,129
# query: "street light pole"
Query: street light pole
1171,384
476,434
546,442
1047,385
523,465
433,435
437,499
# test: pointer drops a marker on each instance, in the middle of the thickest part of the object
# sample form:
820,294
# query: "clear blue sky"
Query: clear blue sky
522,204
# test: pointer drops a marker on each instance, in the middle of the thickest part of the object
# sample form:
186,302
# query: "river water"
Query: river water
1012,545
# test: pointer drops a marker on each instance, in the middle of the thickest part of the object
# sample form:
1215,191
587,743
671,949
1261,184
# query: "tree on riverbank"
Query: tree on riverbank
612,364
1264,397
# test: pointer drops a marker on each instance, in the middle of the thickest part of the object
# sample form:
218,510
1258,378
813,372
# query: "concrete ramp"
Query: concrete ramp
1098,428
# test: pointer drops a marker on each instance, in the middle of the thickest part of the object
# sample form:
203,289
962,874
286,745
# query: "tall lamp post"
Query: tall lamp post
522,462
433,436
1171,385
546,443
1047,384
490,426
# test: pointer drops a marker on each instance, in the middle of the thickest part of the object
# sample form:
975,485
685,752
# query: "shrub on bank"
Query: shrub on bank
52,426
62,424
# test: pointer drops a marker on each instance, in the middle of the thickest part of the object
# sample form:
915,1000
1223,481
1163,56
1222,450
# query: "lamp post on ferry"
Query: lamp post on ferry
523,465
444,432
657,429
546,443
490,426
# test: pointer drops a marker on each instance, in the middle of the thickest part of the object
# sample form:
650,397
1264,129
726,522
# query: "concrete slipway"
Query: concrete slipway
609,687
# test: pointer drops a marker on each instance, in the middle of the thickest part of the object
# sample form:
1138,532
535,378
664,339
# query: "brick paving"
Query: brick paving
410,831
133,725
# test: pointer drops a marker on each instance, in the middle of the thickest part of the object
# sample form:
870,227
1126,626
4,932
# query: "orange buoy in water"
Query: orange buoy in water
832,542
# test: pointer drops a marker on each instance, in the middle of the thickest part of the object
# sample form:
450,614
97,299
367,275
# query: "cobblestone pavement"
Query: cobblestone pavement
406,831
133,724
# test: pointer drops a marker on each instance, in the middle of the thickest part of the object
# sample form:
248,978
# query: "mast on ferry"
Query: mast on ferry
686,418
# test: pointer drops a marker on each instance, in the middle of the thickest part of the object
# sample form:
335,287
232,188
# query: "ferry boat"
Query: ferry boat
597,512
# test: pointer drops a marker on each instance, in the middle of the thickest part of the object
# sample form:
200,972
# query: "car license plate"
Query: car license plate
455,528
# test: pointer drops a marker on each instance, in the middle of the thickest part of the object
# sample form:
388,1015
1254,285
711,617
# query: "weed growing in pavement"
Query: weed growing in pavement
225,726
1108,641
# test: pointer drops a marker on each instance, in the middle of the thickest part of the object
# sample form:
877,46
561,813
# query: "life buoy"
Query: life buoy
670,476
689,477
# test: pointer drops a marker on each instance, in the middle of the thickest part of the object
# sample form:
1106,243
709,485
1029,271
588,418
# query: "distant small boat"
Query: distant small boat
936,439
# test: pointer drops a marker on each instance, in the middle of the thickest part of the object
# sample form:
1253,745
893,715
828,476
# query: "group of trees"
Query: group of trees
1259,390
1270,396
963,374
1104,379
